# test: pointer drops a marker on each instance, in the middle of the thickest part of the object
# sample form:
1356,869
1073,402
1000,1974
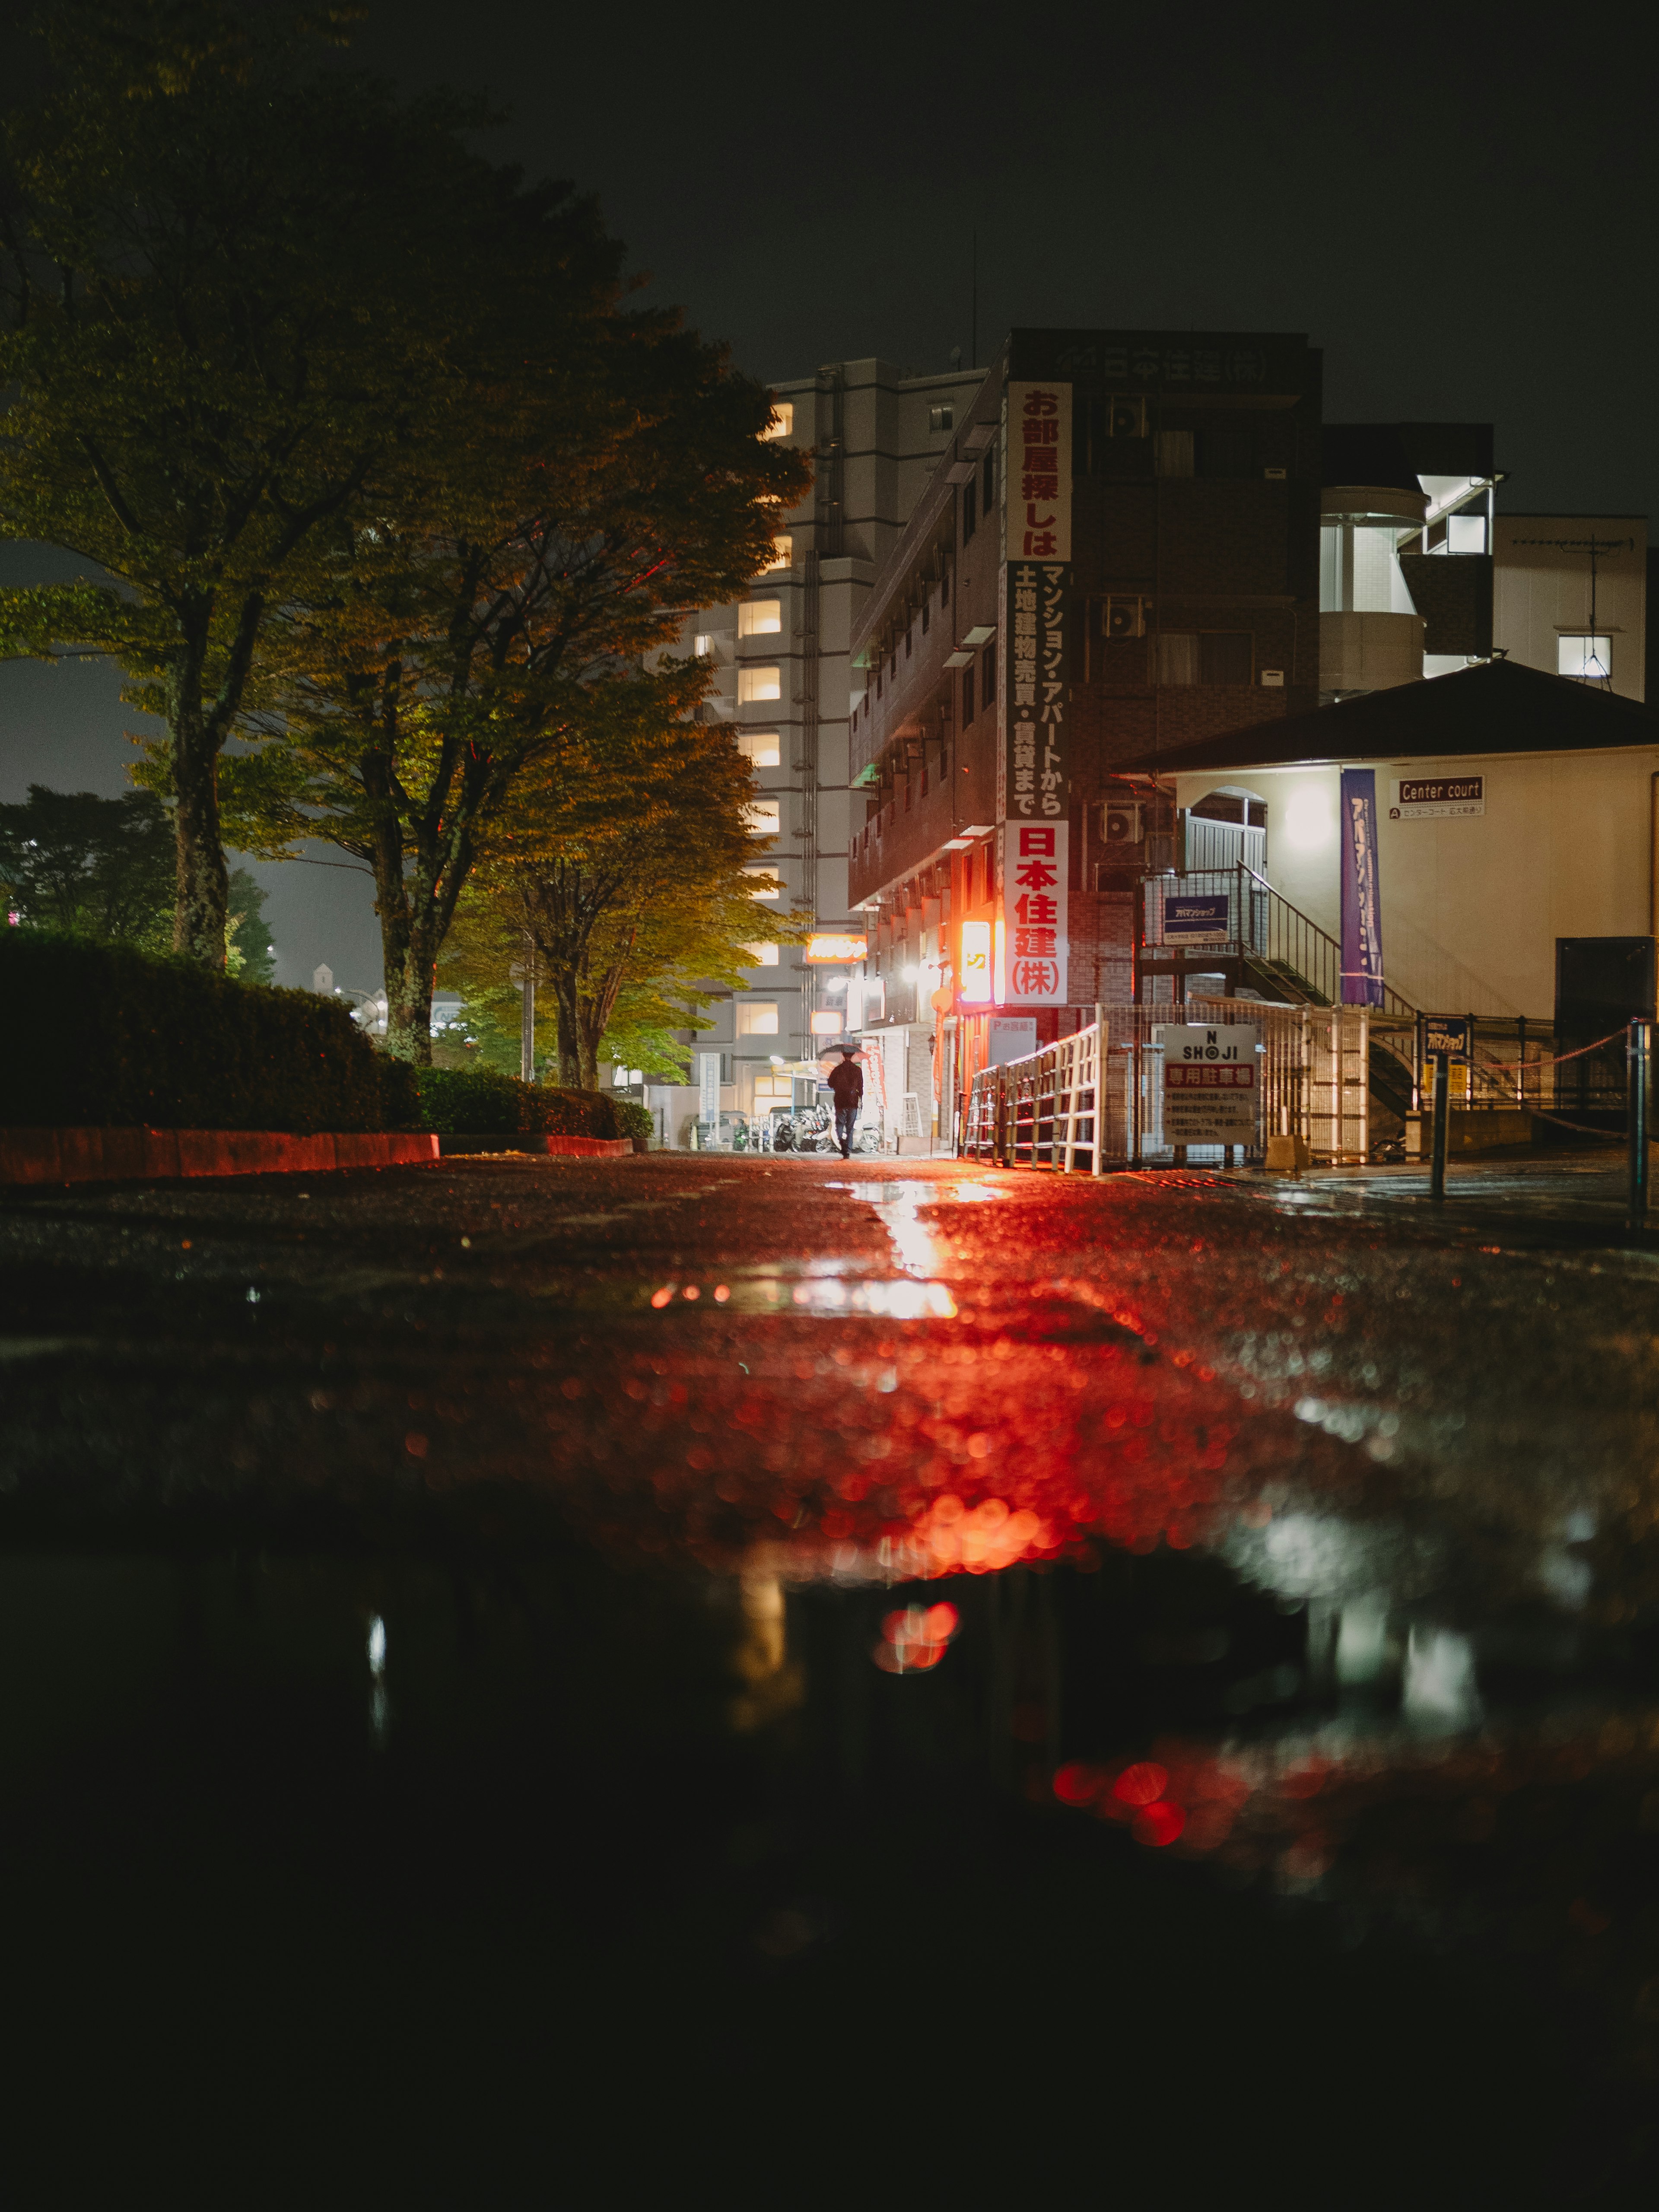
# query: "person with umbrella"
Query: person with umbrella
845,1082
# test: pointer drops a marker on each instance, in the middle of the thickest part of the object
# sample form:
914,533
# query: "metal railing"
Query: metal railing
1288,949
1096,1097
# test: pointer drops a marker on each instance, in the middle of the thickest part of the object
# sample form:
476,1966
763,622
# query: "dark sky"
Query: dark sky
1457,203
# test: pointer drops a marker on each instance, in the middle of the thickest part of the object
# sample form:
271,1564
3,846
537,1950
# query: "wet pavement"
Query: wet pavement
905,1667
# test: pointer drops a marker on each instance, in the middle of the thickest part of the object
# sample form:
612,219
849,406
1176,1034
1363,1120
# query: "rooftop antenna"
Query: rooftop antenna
1595,671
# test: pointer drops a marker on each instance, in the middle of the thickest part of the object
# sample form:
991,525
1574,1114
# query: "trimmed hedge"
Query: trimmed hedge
634,1119
480,1102
107,1037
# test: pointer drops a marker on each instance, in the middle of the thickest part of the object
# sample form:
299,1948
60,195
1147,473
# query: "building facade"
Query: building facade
1118,552
782,658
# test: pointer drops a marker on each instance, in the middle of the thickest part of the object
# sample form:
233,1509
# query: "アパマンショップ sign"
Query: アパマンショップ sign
1430,797
1212,1084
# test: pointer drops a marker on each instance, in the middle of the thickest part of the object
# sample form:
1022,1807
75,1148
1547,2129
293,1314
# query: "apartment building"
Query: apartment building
1118,551
781,656
1421,575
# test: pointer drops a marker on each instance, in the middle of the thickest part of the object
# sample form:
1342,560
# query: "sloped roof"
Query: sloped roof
1494,707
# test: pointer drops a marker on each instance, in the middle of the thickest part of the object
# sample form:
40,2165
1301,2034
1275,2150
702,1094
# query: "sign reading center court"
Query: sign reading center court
1212,1085
1429,798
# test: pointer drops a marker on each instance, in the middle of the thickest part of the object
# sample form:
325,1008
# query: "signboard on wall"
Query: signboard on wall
1212,1084
1034,898
1197,921
1437,797
1010,1039
709,1087
1033,768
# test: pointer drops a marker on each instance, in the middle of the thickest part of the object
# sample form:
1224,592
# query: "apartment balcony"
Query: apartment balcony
1369,651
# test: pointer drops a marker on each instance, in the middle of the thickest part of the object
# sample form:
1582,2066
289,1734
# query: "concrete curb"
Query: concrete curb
585,1148
138,1155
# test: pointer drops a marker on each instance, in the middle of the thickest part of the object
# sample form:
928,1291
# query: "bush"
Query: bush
114,1038
634,1119
481,1101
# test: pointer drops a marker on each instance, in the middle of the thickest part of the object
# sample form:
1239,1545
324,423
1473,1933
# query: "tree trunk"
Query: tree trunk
201,899
570,1028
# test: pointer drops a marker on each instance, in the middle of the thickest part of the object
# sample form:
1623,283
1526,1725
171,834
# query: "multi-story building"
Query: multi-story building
782,658
1419,574
1118,550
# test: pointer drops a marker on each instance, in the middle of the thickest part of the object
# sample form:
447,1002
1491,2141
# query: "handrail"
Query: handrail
1278,910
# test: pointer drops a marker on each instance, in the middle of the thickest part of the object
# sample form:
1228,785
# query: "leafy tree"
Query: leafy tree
629,882
248,943
237,295
614,484
90,866
104,868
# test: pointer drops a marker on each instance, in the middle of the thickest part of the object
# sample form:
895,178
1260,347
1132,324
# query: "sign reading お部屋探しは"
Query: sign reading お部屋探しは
1034,775
1212,1084
1437,797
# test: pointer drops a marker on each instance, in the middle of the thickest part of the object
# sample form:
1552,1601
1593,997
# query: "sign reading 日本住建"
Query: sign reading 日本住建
1034,906
1212,1084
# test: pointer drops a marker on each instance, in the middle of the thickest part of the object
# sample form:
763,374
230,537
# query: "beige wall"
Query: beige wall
1539,590
1472,907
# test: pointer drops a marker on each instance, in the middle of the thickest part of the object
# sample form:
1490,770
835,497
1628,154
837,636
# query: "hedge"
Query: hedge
107,1037
464,1102
634,1119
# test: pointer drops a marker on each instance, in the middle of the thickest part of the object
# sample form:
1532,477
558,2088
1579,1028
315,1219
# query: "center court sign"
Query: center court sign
1212,1084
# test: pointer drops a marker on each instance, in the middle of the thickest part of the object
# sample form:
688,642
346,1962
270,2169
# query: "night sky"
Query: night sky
1456,203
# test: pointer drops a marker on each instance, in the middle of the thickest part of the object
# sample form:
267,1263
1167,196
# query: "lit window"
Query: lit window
762,818
1590,658
941,418
1465,533
827,1023
764,882
703,644
757,1017
761,956
761,748
783,550
755,684
782,424
760,617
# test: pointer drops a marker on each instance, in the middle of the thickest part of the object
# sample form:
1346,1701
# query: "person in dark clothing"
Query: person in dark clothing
847,1087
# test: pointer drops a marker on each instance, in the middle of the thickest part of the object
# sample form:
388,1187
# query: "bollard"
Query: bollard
1442,1090
1639,1058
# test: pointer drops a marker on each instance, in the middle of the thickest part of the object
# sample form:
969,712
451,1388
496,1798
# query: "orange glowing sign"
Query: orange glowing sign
976,964
830,947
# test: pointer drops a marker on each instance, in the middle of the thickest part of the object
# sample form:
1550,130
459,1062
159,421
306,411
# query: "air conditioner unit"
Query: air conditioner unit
1126,618
1121,824
1126,416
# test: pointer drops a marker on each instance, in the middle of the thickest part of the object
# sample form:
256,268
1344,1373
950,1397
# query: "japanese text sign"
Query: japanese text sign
1212,1084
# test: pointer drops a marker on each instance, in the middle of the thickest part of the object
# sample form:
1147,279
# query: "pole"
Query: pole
528,1019
1640,1055
1442,1090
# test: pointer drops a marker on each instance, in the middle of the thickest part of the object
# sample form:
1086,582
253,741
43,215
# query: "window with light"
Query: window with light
760,617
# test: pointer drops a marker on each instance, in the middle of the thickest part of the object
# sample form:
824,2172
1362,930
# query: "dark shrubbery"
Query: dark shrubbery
480,1102
634,1119
107,1037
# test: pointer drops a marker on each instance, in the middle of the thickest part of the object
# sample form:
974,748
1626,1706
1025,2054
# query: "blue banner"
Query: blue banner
1362,899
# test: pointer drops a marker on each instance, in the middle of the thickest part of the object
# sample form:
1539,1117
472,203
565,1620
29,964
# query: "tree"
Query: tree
91,866
236,291
611,485
628,882
104,868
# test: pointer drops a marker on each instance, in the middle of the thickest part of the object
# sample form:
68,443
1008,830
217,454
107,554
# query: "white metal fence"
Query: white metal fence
1095,1099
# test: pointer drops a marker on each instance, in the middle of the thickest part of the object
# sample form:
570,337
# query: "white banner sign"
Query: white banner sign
1212,1085
709,1087
1035,947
